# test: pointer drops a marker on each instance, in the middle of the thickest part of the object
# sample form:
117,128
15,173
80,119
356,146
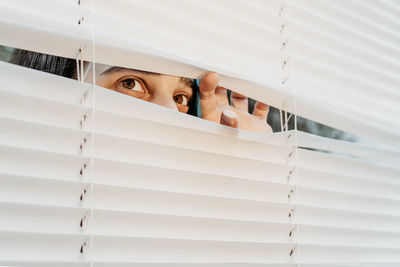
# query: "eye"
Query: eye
131,84
181,99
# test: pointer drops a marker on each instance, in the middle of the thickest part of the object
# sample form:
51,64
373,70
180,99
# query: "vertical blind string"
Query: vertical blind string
86,218
295,175
290,102
93,128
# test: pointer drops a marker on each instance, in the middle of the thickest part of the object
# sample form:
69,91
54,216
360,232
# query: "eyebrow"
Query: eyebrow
187,81
115,69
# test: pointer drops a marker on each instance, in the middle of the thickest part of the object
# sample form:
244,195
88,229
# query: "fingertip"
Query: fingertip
208,84
210,78
238,96
262,106
240,101
230,114
229,118
212,74
261,110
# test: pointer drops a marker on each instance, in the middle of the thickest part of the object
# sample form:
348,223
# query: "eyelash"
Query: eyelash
136,80
187,98
142,84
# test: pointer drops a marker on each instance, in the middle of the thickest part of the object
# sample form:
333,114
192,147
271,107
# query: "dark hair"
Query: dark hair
52,64
66,67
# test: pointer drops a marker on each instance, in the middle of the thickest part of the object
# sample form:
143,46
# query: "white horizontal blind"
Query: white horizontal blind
343,210
333,51
345,64
91,177
165,208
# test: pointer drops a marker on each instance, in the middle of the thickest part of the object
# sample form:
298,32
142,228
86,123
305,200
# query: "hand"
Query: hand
215,107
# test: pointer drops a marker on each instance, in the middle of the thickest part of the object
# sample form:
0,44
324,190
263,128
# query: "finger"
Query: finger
222,96
208,100
261,110
208,85
229,118
240,101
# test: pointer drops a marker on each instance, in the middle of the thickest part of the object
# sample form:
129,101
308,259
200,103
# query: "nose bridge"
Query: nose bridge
162,98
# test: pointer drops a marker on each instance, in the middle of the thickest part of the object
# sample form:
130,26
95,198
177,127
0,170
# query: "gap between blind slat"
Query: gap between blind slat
305,107
298,109
68,91
347,106
318,112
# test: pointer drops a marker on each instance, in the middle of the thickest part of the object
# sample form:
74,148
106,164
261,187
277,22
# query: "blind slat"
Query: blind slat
347,184
347,201
343,165
169,250
22,217
347,237
323,216
366,151
31,246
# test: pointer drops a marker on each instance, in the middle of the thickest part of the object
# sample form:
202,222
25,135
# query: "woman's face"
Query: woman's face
176,93
165,90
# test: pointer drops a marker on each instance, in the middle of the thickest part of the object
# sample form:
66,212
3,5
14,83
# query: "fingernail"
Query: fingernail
230,118
229,113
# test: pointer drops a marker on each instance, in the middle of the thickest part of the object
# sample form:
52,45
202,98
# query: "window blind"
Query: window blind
92,177
361,72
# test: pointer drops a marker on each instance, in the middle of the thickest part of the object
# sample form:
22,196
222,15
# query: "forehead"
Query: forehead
150,76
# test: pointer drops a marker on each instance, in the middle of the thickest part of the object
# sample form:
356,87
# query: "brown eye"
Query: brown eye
181,99
131,84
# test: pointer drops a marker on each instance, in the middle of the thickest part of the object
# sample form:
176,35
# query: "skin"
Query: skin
168,91
215,107
175,93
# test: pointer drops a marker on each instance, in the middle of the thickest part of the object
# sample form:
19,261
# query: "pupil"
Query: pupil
178,99
129,83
